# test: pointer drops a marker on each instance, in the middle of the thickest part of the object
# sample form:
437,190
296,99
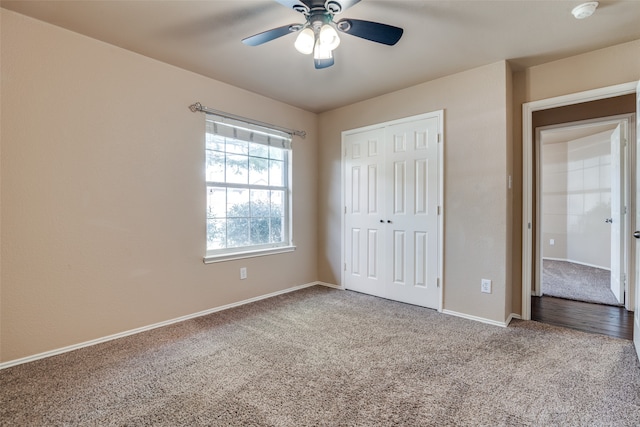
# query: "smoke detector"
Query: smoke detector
584,10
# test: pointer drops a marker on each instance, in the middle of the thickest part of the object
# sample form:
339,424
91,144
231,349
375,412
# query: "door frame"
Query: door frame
439,114
527,173
624,120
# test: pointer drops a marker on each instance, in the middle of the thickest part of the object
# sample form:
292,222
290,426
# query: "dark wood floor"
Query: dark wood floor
594,318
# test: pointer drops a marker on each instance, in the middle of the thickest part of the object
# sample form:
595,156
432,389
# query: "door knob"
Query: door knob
389,221
609,220
636,234
382,220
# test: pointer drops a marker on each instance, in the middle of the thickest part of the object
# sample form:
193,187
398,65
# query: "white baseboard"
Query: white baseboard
55,352
480,319
511,317
331,285
577,262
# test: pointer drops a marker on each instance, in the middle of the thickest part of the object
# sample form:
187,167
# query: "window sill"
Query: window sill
210,259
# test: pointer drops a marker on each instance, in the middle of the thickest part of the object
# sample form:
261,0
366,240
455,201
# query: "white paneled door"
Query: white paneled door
617,209
392,181
364,212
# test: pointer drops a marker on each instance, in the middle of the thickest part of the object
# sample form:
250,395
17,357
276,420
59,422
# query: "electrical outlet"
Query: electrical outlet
243,273
485,286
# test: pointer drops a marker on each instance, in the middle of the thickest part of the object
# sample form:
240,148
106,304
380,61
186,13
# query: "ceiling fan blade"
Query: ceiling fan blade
323,63
296,5
344,4
272,34
374,31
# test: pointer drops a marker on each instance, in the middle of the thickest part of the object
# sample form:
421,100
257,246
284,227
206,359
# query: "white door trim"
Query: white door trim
527,172
636,257
440,115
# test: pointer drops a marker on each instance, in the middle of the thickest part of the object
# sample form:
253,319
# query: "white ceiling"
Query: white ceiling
441,37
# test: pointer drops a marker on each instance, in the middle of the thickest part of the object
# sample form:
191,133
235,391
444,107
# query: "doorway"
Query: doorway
604,102
559,109
582,181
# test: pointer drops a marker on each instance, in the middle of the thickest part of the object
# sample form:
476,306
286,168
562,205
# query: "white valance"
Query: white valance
232,126
244,131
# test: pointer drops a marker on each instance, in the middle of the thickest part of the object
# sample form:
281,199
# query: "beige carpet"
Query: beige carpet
333,358
569,280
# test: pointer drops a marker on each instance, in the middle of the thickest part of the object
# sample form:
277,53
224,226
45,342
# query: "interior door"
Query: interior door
412,216
364,212
636,315
617,222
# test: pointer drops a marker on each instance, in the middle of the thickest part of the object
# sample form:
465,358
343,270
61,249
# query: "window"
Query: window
248,190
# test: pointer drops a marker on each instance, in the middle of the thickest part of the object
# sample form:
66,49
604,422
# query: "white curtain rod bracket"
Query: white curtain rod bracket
198,107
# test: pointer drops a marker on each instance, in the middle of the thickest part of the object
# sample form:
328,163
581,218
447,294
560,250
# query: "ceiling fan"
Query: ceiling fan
318,34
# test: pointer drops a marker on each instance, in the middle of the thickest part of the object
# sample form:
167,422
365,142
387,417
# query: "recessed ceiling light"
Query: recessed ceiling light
584,10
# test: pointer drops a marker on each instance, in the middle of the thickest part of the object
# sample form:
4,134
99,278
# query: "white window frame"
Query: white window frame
244,131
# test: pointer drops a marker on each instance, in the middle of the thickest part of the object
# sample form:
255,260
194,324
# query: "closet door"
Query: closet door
411,251
364,212
391,241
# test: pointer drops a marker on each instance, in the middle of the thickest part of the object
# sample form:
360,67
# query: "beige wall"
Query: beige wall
475,162
511,209
103,200
592,70
576,200
553,192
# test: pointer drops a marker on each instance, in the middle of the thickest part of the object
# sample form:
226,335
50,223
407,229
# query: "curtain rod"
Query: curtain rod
198,107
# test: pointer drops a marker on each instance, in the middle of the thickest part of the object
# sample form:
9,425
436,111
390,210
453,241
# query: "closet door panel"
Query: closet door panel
413,153
364,210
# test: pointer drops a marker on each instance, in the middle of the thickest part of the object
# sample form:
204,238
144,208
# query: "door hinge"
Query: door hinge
345,266
345,209
439,137
438,210
438,282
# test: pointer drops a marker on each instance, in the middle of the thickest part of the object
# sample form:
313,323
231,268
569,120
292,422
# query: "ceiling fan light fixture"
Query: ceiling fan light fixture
322,52
305,41
319,33
584,10
328,37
